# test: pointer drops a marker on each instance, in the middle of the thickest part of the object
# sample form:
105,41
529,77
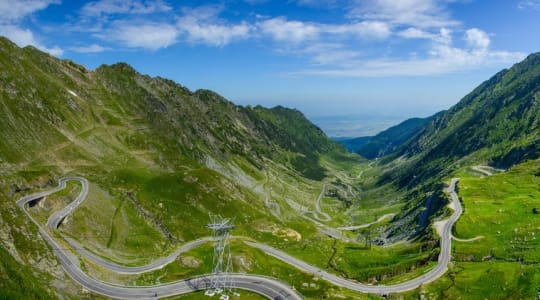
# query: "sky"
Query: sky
352,66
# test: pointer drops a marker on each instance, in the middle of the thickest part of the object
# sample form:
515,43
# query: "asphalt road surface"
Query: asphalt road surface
355,227
265,286
56,218
155,265
433,274
268,287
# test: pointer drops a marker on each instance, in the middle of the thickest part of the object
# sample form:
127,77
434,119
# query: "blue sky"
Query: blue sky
360,60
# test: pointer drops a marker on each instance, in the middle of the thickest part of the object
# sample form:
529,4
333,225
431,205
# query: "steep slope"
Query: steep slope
496,123
292,131
46,101
160,159
354,144
392,138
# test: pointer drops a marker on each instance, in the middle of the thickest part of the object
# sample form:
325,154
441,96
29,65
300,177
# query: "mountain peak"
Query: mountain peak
6,42
533,58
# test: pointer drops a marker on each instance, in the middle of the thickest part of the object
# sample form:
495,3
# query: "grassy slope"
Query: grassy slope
503,264
145,145
19,282
181,155
497,122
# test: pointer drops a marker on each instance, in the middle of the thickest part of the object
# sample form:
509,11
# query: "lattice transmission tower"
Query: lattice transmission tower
222,262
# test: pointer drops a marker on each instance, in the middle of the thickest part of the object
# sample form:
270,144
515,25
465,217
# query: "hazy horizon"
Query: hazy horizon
389,59
354,126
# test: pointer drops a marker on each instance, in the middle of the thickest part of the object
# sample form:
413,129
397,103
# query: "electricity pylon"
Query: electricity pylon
222,263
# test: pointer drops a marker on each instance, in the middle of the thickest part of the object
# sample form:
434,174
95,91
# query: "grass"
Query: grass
505,263
480,197
245,260
179,198
20,282
117,231
485,280
244,295
500,208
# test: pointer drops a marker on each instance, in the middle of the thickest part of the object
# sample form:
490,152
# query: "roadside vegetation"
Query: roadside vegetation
161,158
503,262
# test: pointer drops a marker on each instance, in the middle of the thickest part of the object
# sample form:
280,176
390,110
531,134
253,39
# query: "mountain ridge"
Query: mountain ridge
162,156
388,140
496,119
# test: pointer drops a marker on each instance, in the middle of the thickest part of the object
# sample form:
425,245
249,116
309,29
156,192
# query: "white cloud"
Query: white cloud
415,13
443,58
529,4
444,37
202,25
365,29
284,30
454,60
102,7
20,36
151,36
11,14
477,39
296,32
213,35
94,48
322,44
415,33
330,53
24,37
14,10
196,25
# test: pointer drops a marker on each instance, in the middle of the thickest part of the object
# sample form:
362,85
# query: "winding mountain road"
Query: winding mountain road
155,265
268,287
57,217
265,286
355,227
318,213
433,274
486,170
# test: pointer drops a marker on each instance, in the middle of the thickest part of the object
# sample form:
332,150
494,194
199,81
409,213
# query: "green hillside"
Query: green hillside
496,123
354,144
391,139
160,158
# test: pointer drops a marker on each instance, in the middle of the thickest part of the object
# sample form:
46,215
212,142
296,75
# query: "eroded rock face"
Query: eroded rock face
190,261
242,263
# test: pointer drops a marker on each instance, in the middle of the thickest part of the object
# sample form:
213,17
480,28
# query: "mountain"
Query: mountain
354,144
496,123
392,138
47,102
294,132
160,157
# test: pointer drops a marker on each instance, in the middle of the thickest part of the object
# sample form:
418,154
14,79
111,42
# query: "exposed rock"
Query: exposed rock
190,261
243,263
